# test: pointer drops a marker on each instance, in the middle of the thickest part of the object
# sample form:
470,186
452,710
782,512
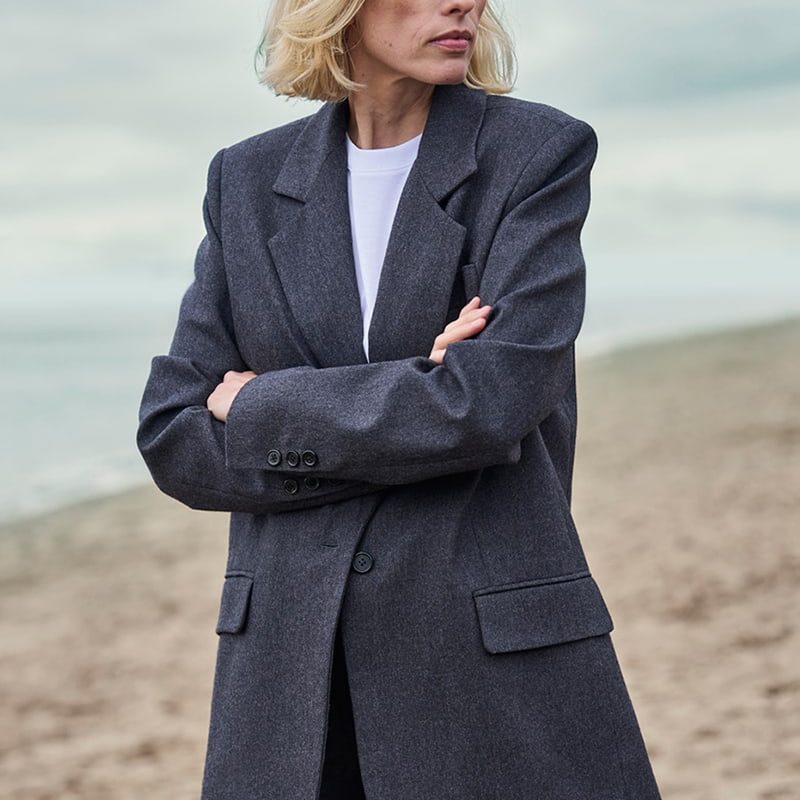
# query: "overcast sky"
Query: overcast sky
111,112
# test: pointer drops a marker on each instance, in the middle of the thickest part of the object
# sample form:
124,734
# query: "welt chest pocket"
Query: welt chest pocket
465,287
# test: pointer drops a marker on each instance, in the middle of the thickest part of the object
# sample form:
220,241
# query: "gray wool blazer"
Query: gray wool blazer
424,507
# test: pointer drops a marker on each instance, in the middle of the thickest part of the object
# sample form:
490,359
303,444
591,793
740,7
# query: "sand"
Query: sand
687,497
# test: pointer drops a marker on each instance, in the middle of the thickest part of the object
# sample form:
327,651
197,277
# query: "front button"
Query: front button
292,458
309,458
290,486
274,458
362,561
311,482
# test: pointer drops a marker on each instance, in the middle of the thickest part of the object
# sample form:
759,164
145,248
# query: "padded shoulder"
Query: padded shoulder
519,127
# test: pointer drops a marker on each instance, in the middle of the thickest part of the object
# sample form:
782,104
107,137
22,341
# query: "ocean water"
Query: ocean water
111,113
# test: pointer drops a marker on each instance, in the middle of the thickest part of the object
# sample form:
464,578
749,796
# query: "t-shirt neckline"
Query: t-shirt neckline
381,158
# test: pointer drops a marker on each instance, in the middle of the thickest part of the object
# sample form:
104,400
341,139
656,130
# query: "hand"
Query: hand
469,322
219,401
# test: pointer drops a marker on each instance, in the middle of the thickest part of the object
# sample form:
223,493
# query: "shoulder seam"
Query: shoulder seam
529,111
538,150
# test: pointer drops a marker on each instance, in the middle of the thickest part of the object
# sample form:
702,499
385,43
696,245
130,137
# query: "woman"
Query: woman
407,611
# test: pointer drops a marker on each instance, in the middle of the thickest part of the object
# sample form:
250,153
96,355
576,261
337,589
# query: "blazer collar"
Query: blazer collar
313,254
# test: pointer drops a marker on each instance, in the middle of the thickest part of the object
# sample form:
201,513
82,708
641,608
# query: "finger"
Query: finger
467,316
474,303
461,331
463,327
471,306
234,375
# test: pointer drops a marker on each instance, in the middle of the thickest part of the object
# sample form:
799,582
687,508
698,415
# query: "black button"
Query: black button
311,482
274,458
290,486
362,561
309,458
292,458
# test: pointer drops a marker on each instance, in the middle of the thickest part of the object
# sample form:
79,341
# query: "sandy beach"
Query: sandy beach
687,497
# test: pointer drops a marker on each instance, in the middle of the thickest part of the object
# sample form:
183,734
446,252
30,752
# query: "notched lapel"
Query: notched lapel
417,277
314,259
314,254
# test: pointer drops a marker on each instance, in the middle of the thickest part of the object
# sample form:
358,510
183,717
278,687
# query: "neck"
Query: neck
385,116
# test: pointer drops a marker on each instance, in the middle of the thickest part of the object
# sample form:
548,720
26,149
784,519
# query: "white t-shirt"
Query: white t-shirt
375,180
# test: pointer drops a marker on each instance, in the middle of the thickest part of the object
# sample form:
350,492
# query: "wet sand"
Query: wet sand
687,497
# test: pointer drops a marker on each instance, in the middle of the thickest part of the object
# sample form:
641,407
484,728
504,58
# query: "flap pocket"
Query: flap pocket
541,612
235,602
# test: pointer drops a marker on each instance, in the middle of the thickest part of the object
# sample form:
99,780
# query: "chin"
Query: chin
453,76
454,72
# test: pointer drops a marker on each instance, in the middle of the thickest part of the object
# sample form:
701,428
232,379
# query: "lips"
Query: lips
455,34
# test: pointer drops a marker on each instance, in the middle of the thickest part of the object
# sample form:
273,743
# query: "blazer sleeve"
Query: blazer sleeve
182,443
412,419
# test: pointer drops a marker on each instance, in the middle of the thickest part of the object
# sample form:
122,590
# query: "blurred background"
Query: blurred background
111,113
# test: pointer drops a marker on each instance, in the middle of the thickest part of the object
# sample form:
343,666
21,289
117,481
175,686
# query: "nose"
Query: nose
459,7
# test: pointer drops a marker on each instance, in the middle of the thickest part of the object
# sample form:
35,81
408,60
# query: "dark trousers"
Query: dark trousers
341,778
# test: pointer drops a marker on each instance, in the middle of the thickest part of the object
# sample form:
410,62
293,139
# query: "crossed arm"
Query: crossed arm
380,424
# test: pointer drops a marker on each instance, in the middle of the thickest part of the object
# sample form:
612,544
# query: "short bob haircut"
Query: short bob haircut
302,50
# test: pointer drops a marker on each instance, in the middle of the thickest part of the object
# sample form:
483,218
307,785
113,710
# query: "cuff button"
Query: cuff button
290,486
292,458
274,458
311,482
309,458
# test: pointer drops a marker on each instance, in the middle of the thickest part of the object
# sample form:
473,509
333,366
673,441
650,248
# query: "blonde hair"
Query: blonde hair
302,51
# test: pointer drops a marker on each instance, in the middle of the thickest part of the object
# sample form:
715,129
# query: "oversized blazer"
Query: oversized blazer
425,507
